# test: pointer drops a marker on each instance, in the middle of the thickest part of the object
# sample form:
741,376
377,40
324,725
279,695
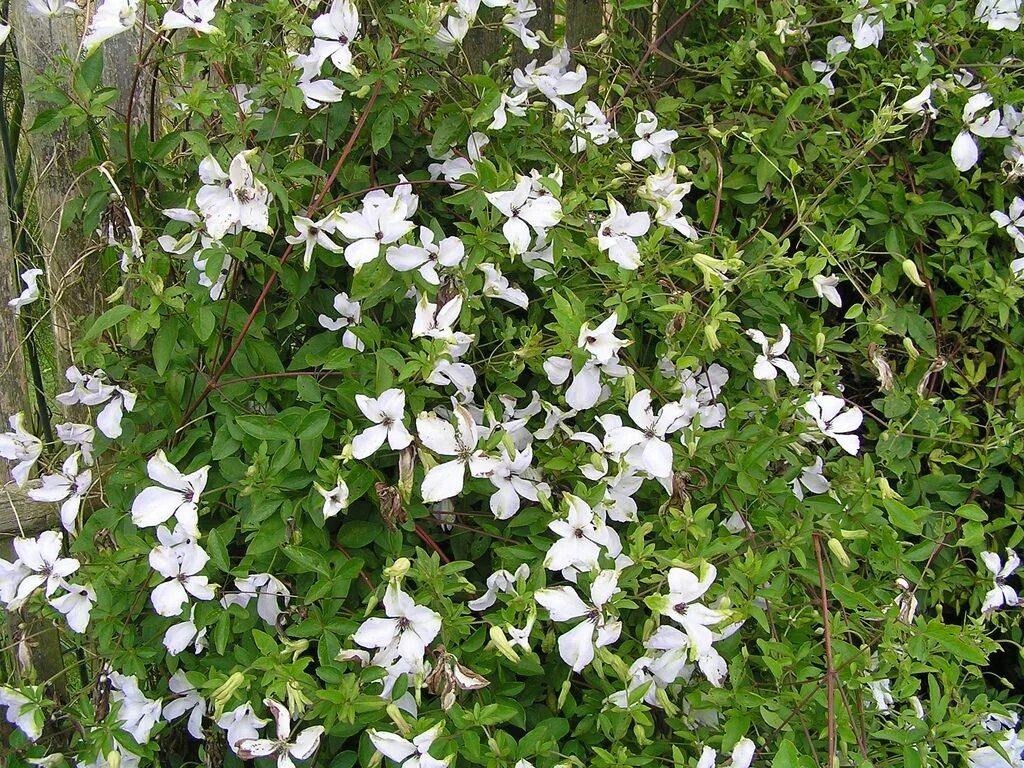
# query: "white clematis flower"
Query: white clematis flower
515,479
646,444
269,592
195,15
409,754
524,210
75,606
310,234
69,487
680,605
830,418
301,746
22,712
812,478
577,646
232,201
446,480
111,18
335,32
46,568
771,360
138,714
181,567
386,412
20,446
825,287
497,286
30,277
651,142
582,537
335,499
405,633
188,701
428,256
601,342
1001,594
381,221
177,495
240,724
616,234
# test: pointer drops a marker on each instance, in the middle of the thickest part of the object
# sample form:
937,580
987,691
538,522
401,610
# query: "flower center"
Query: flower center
680,608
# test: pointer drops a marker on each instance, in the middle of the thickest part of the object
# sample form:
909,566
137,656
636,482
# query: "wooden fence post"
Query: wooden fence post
73,272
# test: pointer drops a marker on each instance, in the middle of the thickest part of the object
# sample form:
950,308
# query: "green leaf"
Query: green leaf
264,428
383,128
109,319
163,345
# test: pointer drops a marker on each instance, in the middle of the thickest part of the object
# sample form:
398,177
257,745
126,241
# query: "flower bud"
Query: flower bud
564,693
113,759
910,270
398,719
502,644
398,569
766,63
406,471
711,336
819,343
886,490
911,349
836,547
598,40
227,689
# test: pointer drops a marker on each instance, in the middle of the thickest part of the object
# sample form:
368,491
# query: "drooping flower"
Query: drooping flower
301,746
825,287
616,234
497,286
180,636
979,121
49,9
335,499
138,714
812,478
30,277
446,480
22,712
269,592
500,581
1001,593
577,646
386,412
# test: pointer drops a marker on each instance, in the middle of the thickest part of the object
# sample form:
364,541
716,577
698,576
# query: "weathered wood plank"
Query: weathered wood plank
584,20
73,271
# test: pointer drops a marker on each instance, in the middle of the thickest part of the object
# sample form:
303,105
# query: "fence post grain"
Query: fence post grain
73,271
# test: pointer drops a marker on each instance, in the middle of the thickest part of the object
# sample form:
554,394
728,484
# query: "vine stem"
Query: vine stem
830,672
215,380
